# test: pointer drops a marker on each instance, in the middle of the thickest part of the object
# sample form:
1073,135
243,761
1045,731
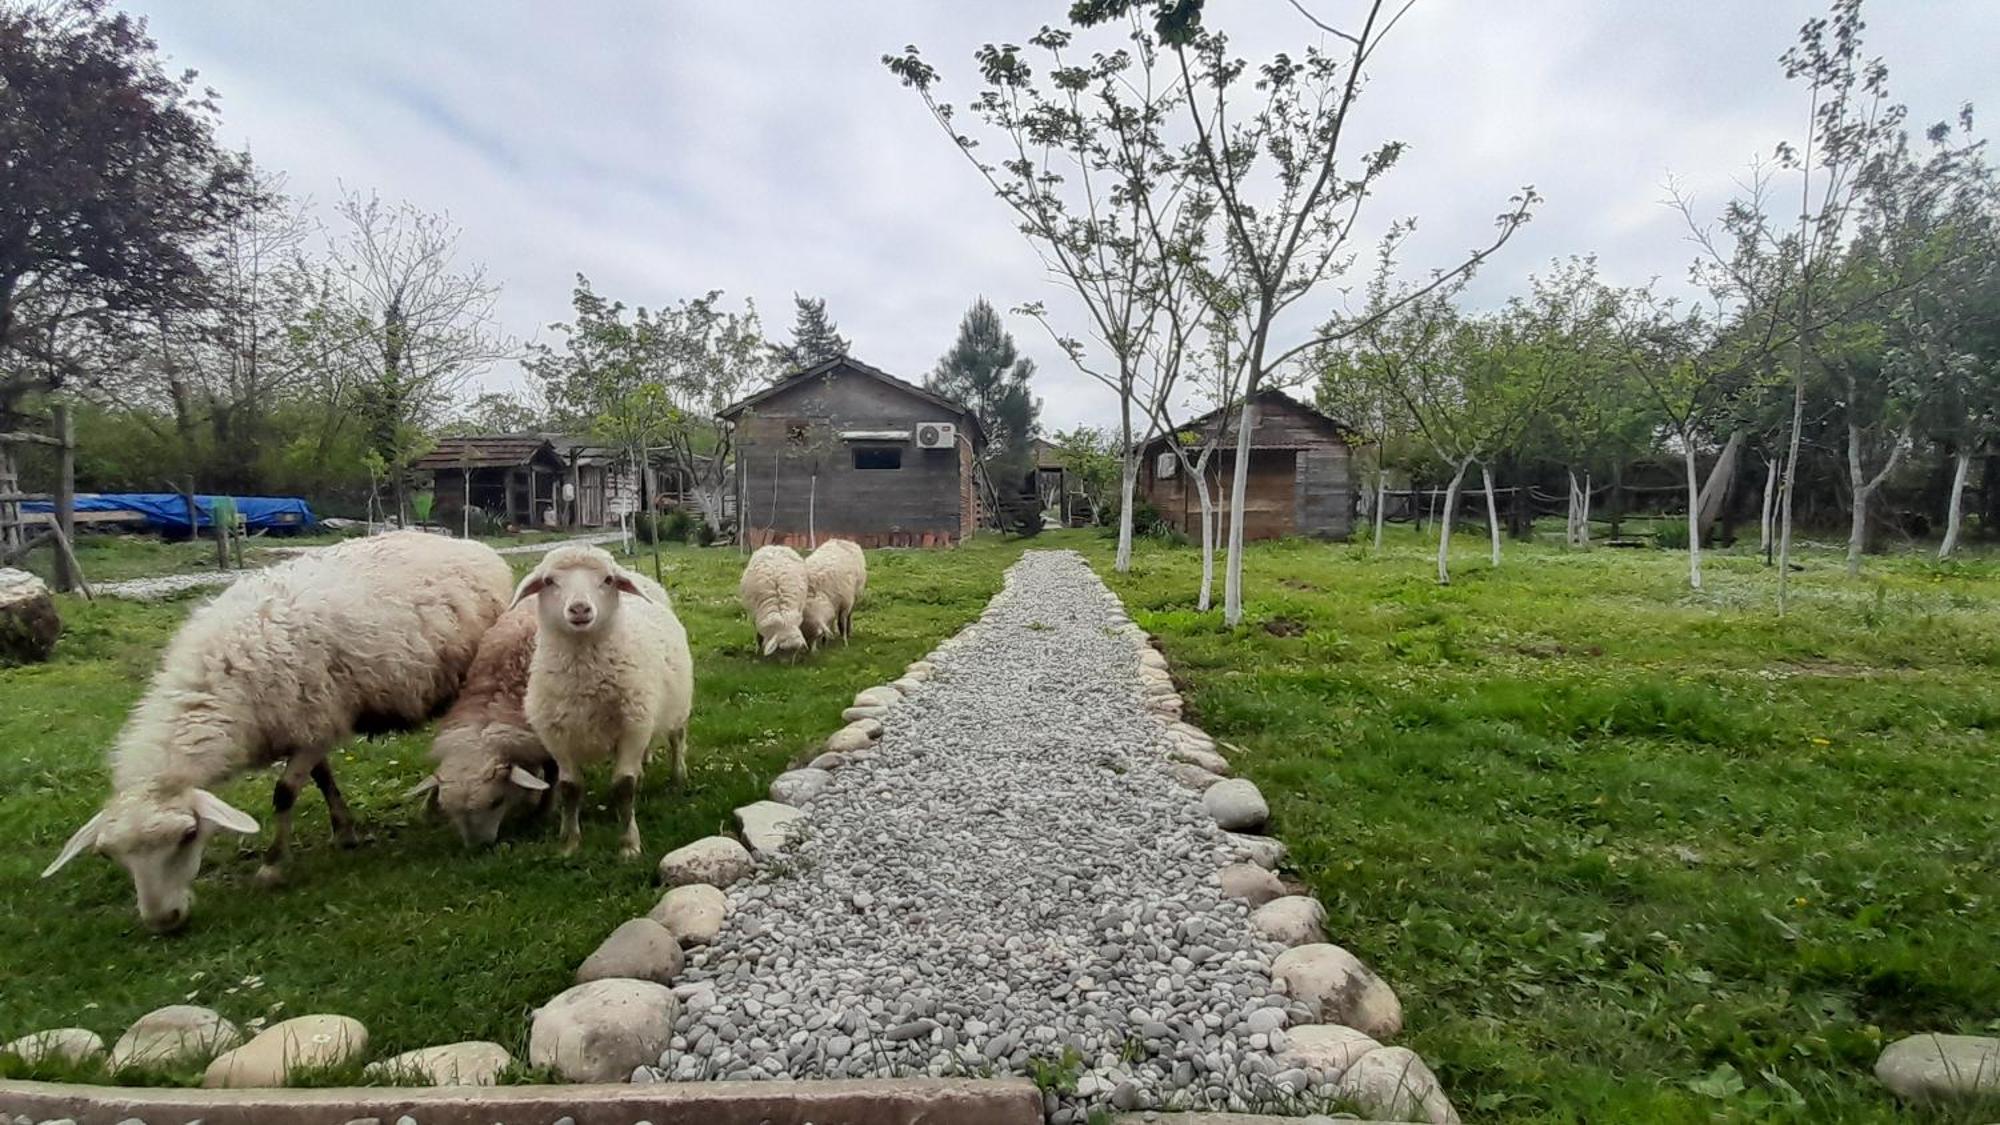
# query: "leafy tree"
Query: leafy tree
1091,459
988,374
497,412
815,338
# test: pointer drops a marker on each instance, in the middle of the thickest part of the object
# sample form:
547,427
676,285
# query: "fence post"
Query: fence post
67,578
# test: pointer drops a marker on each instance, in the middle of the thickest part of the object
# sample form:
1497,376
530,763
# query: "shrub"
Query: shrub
677,526
1671,534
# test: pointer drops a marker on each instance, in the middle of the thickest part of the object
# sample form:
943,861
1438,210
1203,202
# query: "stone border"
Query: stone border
863,1101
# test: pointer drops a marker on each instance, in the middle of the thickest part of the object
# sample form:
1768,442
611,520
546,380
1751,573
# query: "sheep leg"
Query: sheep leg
283,796
677,745
549,773
569,794
625,791
337,812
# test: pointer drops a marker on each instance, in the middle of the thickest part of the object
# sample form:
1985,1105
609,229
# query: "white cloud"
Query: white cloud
665,150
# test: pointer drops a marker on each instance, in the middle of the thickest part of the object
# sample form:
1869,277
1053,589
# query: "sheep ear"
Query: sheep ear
530,586
82,840
427,785
222,814
626,584
526,780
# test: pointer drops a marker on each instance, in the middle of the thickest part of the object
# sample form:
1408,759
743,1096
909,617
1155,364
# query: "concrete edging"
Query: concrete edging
862,1101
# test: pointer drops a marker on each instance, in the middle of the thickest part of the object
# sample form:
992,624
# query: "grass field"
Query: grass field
422,941
1626,851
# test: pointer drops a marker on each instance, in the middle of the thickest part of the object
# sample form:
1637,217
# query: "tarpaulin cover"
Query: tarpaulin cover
168,512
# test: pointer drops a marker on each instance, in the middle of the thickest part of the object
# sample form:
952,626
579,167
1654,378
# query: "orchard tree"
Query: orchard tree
1272,145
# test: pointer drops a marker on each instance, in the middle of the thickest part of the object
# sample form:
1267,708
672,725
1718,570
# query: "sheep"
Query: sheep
611,674
836,574
490,762
288,662
773,591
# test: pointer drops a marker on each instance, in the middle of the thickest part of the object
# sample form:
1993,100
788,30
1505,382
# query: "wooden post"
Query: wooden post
69,576
67,557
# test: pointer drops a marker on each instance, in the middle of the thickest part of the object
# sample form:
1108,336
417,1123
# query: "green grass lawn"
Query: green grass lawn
1627,852
421,940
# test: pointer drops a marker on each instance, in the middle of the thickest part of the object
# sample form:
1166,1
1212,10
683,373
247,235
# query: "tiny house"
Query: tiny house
1300,479
842,449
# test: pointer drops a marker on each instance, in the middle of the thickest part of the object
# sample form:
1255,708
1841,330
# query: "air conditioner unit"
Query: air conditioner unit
936,435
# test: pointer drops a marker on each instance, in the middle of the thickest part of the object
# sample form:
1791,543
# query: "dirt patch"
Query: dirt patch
1300,584
1285,627
1551,650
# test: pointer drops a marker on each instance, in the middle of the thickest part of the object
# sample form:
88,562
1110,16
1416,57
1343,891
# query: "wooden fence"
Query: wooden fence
21,533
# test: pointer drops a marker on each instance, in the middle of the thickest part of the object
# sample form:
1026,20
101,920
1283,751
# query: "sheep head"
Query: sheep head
157,836
477,787
578,590
816,622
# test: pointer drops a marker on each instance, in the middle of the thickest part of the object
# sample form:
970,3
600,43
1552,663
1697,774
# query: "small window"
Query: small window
878,456
1165,465
798,433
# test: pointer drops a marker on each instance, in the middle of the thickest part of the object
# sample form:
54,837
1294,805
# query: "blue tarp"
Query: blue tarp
168,512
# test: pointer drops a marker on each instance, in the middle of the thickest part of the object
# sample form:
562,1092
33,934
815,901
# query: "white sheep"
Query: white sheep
836,575
773,591
610,676
285,664
490,762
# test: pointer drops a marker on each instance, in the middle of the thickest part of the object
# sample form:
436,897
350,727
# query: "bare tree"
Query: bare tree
403,326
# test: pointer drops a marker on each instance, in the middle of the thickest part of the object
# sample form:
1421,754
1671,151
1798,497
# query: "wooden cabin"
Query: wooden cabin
845,450
535,480
1300,478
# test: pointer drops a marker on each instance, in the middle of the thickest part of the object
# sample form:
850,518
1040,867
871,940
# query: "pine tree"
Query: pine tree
815,338
987,373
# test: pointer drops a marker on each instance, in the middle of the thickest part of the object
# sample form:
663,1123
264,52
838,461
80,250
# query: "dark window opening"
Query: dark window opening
878,456
798,433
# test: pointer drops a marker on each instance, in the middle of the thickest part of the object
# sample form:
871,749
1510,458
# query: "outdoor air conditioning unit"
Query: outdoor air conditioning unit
937,435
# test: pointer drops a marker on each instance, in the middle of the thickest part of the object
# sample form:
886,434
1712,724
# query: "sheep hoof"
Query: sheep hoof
270,875
629,849
569,845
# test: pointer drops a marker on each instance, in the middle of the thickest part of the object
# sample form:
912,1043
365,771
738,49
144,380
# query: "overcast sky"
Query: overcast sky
761,148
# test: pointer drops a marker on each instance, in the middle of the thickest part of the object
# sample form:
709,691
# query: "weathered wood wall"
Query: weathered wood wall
1300,480
796,477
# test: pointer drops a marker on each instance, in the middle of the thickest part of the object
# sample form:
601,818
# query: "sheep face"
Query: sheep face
578,590
478,792
158,839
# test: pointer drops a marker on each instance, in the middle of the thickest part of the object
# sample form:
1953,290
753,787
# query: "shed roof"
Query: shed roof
485,451
829,367
1331,427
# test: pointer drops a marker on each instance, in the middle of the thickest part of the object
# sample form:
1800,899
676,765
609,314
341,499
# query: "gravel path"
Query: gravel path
168,585
1009,877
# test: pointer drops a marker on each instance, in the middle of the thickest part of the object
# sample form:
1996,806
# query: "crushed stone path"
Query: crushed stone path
1009,881
164,586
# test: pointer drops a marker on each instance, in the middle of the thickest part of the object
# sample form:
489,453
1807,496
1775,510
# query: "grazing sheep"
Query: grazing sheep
284,665
836,574
610,675
774,593
490,762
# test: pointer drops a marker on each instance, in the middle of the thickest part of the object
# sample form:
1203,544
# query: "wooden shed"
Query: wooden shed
845,450
514,478
1300,476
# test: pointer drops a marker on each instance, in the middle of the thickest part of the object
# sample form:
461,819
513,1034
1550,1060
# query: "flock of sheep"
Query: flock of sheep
582,661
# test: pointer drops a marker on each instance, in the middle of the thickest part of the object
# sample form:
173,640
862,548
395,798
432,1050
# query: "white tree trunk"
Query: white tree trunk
1492,512
1444,525
1770,508
1206,598
1128,482
1788,487
1572,512
1857,527
1955,517
1232,577
1583,523
1381,502
812,504
1694,514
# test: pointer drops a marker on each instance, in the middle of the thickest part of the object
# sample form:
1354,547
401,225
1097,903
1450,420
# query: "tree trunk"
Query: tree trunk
1128,480
1239,487
1381,502
1857,528
1764,539
812,503
1583,523
1617,498
1572,511
1492,513
465,508
1444,525
1789,485
1694,514
1716,489
1955,510
1207,596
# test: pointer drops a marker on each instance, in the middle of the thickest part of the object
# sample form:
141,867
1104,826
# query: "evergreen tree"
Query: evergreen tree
815,338
987,373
